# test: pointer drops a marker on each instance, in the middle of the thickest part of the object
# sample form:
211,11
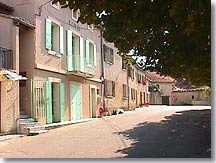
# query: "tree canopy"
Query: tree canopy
173,35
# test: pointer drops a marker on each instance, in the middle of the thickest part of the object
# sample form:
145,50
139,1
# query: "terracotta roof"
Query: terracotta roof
157,78
188,90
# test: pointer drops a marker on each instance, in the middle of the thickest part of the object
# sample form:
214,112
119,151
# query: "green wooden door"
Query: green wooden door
48,94
62,101
76,102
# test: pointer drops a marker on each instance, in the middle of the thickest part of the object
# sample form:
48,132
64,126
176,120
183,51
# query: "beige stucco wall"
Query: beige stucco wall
184,98
139,87
9,89
23,8
165,90
114,72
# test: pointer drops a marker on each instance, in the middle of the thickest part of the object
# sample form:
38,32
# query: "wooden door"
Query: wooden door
49,118
76,101
165,100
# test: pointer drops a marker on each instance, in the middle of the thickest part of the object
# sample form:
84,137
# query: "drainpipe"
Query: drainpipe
128,89
102,68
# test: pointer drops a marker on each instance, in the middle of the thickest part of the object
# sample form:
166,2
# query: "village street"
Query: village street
149,132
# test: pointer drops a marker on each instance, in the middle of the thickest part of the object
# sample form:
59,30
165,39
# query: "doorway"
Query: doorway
75,101
55,103
93,102
165,100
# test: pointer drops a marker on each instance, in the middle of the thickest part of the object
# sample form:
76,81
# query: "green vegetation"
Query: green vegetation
173,35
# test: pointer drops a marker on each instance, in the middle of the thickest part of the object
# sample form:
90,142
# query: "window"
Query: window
123,64
75,14
109,88
55,31
192,97
55,5
139,78
108,54
91,27
91,53
131,72
124,87
133,97
54,37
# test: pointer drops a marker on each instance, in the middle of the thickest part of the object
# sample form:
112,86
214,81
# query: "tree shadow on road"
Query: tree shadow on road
186,134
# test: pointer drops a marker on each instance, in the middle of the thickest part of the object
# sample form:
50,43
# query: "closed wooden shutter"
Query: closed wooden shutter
87,51
81,54
48,102
61,40
48,43
105,87
113,88
111,56
95,55
62,101
69,51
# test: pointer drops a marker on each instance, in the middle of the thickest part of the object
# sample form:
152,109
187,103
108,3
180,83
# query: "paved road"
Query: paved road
149,132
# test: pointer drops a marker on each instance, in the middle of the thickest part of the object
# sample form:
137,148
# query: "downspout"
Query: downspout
128,89
102,68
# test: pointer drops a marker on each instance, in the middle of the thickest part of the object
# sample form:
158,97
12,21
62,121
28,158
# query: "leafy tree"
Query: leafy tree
173,35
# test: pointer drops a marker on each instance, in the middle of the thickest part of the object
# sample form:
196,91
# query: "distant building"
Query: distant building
160,88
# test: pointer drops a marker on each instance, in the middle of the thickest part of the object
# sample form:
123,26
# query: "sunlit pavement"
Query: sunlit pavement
148,132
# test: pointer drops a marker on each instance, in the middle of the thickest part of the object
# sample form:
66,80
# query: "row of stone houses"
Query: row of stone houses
63,69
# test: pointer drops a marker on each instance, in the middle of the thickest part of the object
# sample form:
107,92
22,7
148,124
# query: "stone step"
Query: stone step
32,132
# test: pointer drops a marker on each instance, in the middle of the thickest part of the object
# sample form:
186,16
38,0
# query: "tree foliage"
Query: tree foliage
173,35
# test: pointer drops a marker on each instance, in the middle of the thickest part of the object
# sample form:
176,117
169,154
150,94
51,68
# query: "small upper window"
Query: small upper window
75,14
55,5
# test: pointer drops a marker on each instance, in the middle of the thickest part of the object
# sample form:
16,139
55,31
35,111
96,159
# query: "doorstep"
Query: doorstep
59,124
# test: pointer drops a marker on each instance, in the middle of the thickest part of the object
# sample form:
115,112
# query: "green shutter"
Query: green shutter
87,52
69,51
48,33
95,55
81,54
61,40
62,101
48,102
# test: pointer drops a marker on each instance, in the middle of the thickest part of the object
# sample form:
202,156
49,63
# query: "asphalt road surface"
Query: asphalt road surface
149,132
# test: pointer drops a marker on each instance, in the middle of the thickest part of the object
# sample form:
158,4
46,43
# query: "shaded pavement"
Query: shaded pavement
186,134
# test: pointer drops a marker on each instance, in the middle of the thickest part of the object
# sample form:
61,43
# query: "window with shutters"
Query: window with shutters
133,94
139,78
55,40
131,73
124,87
124,65
109,88
54,37
75,14
108,54
91,53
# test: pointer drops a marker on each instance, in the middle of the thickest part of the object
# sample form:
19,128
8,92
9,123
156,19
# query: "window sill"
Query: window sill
110,63
54,53
124,98
110,97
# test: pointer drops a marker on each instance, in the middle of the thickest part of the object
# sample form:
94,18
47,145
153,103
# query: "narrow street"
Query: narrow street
149,132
